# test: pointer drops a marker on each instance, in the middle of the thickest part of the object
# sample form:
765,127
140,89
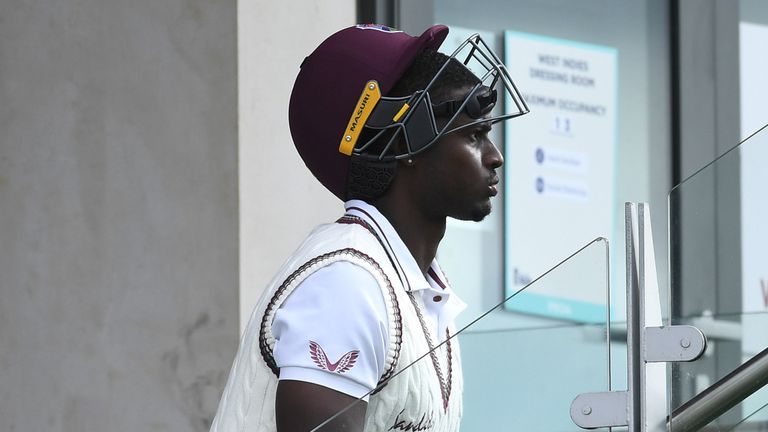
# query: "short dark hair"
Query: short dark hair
425,67
369,179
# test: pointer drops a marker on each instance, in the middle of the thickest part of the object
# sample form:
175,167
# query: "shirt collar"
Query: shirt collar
405,264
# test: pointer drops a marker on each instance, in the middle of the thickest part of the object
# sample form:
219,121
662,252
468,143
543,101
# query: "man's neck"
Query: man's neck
421,235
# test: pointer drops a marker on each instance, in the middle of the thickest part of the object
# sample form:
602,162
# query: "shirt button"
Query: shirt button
437,298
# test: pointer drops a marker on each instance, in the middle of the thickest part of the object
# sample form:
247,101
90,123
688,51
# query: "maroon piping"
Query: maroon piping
266,350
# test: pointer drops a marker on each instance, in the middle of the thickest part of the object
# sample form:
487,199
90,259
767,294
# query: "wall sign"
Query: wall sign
559,169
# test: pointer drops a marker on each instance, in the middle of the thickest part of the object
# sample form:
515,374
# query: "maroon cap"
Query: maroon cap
329,85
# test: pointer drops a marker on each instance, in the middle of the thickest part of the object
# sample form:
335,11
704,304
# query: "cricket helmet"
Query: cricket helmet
342,90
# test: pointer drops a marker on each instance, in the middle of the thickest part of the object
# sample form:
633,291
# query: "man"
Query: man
400,133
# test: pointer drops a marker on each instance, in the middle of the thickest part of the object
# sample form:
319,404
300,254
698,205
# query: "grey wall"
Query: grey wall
118,213
706,220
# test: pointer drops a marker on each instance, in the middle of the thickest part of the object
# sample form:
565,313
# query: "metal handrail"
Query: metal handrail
722,395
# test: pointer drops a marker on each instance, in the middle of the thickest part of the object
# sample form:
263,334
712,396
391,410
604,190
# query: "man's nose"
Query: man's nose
493,158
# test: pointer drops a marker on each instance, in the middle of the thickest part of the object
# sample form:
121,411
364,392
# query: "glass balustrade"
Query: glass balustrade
754,420
719,274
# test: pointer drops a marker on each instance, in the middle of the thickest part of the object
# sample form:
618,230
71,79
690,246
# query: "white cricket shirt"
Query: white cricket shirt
333,331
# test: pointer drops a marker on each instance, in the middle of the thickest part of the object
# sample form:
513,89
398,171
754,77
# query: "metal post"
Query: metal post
634,352
644,344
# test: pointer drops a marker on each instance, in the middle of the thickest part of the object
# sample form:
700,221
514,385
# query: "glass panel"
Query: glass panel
718,272
757,420
519,371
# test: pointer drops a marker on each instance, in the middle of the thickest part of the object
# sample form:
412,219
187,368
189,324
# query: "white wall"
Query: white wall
280,201
118,213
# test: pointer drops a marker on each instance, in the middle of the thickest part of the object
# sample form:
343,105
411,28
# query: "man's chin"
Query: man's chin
479,216
478,213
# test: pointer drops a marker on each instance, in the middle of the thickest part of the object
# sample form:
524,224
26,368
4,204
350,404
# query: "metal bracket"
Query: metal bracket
602,409
679,343
639,407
